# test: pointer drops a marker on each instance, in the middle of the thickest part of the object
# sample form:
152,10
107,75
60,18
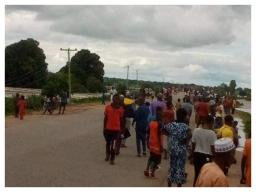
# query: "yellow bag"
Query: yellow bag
128,101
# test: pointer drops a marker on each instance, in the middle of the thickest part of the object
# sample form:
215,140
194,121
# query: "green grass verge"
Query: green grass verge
87,100
246,118
35,103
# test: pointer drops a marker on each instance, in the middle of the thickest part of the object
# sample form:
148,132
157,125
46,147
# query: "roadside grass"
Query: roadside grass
246,118
35,103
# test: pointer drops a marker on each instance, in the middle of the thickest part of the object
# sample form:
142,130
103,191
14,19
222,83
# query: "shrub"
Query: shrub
34,102
9,106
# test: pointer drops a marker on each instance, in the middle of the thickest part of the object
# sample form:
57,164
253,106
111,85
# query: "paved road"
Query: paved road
69,150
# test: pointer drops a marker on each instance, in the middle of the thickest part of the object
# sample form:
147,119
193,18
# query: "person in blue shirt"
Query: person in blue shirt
141,119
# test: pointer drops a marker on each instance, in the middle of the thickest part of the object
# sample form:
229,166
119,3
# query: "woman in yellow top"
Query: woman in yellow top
226,130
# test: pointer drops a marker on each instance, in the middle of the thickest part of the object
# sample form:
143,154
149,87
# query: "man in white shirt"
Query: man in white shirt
203,145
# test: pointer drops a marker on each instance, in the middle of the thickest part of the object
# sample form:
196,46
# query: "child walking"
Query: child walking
155,144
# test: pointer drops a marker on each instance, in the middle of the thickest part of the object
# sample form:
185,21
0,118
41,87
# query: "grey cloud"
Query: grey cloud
161,26
154,38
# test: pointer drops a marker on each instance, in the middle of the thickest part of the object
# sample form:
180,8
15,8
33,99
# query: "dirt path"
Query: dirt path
68,150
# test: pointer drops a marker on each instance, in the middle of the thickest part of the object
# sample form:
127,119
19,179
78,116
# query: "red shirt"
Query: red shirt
22,106
247,155
114,116
168,116
155,138
203,109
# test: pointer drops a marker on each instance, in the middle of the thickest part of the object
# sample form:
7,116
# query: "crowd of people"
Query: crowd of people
49,104
164,129
56,102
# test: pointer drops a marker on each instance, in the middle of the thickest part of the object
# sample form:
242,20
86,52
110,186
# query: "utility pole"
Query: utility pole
127,77
137,76
69,74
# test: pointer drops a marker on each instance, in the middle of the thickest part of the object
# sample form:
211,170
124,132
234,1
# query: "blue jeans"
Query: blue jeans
141,140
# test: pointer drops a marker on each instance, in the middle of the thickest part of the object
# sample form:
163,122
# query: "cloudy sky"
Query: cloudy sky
205,45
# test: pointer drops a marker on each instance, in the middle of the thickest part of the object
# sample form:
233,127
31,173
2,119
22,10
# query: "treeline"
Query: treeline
25,67
222,90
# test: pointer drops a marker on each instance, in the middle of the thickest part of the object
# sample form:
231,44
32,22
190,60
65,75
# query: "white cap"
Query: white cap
223,145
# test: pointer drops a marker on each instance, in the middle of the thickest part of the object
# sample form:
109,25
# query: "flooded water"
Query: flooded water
246,106
241,134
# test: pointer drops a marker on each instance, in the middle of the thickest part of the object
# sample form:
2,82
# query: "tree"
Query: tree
56,84
232,87
25,64
222,89
121,88
88,69
94,84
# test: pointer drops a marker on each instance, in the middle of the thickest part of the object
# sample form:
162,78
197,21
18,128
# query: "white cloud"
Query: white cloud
199,44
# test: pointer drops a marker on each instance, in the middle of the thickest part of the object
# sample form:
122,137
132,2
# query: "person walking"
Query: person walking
219,115
178,134
168,117
155,143
203,145
233,105
246,163
158,103
128,118
22,104
212,174
202,111
141,120
63,102
178,104
188,107
227,131
47,105
113,122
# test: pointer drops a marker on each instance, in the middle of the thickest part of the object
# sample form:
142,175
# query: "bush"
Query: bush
34,102
246,118
247,126
9,106
56,83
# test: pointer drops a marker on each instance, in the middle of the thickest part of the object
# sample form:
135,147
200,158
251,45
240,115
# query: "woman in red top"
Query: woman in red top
22,107
113,122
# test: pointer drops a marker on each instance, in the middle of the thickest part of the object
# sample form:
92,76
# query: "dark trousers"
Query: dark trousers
201,120
141,140
110,137
118,143
63,106
199,160
153,161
